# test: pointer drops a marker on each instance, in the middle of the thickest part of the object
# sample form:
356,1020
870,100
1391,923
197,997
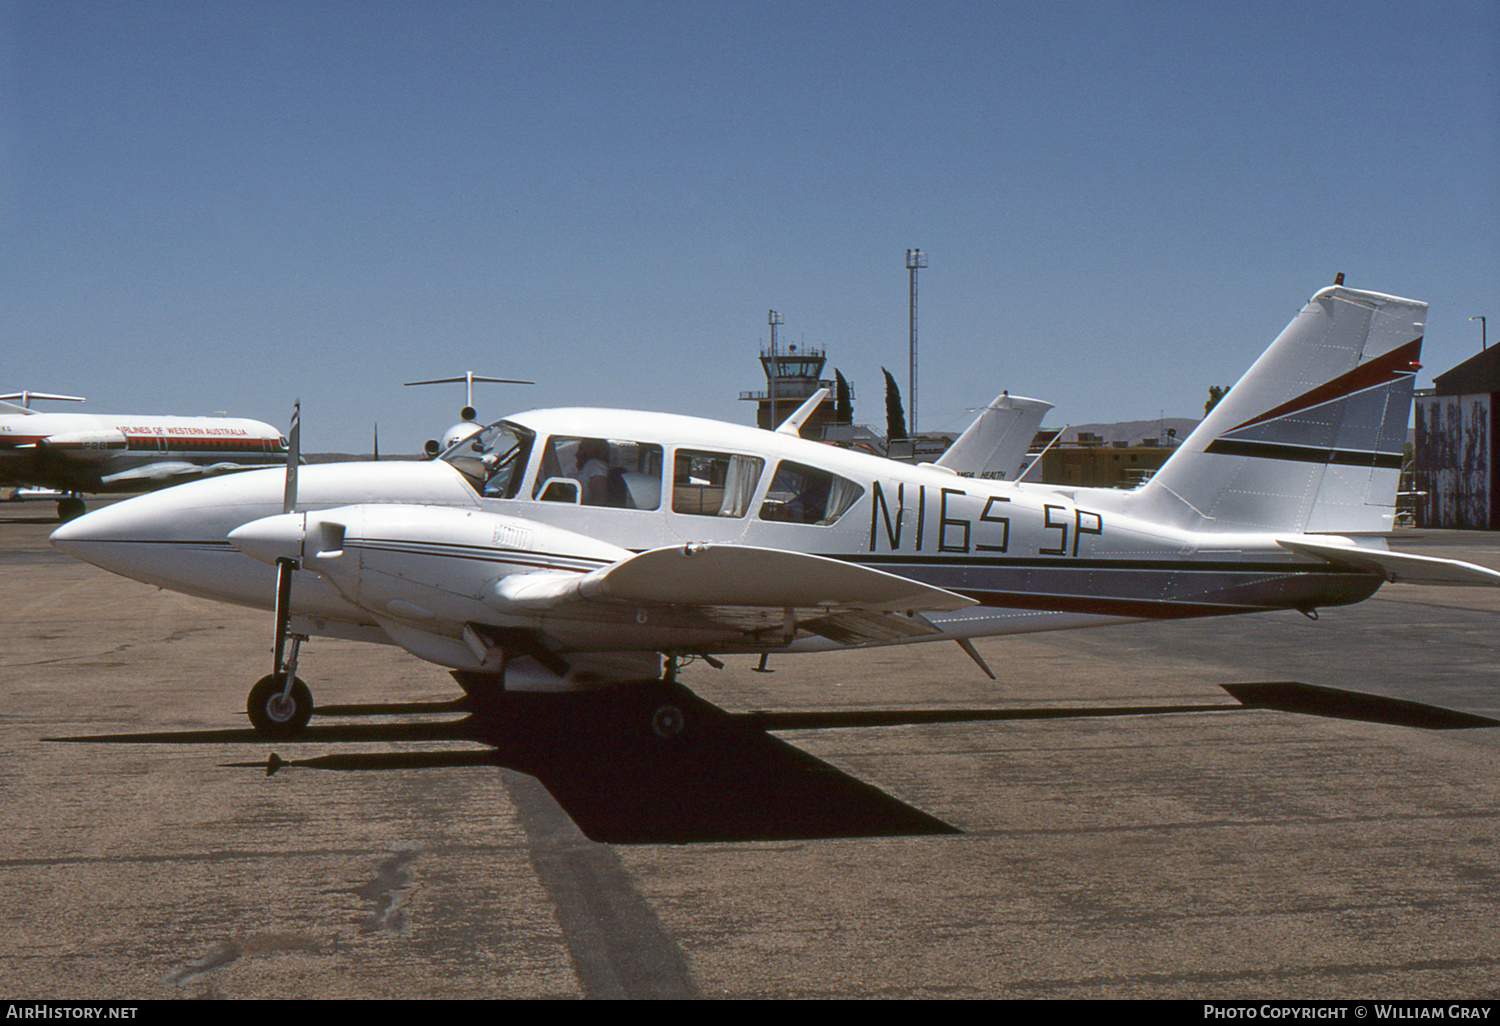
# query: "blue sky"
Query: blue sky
220,206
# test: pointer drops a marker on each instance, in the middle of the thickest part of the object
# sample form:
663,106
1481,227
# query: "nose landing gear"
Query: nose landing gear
280,704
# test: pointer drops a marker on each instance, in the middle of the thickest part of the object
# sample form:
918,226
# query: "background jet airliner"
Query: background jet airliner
578,548
82,452
468,416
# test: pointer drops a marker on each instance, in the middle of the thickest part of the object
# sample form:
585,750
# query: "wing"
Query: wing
746,589
418,568
172,471
151,473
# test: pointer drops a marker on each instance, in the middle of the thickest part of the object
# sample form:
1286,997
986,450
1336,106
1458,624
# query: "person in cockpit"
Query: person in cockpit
593,471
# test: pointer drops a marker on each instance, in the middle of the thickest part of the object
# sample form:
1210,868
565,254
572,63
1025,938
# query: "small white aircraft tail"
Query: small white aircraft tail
1311,438
994,446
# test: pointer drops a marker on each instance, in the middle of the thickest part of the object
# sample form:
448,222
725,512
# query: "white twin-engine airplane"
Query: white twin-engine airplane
83,452
577,548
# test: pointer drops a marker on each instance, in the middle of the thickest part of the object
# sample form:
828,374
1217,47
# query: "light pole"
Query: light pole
915,261
1483,343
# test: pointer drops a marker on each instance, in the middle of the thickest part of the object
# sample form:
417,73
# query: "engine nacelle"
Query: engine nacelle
85,444
420,563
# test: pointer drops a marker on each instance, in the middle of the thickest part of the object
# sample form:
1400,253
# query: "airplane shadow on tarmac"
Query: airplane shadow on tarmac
656,764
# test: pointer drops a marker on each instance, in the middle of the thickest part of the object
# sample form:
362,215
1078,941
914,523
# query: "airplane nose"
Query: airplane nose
271,538
125,537
175,538
120,522
72,533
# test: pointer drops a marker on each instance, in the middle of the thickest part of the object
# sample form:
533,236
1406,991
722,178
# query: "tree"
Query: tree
843,405
1215,393
895,414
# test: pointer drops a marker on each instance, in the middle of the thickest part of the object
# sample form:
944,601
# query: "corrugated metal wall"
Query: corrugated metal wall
1453,461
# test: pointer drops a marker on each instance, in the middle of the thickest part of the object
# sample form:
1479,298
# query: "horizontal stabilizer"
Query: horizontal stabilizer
26,396
1397,567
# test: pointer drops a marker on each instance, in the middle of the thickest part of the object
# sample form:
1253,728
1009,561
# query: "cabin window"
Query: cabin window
599,472
493,460
801,494
714,484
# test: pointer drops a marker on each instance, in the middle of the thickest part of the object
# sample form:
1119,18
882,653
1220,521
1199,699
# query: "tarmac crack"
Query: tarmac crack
232,949
388,894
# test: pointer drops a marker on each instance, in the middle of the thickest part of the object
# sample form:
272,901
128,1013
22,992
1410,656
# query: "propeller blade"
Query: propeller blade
293,457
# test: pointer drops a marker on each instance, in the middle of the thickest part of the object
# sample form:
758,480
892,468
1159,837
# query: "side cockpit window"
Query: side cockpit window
801,494
714,484
599,472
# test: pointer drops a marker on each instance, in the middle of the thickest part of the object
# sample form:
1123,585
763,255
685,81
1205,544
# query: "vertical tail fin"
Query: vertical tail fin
994,446
1311,438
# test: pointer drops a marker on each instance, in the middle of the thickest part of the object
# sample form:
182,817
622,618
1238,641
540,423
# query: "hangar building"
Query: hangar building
1457,422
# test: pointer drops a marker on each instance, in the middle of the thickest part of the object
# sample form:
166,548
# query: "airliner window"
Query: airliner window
806,495
493,460
714,484
599,472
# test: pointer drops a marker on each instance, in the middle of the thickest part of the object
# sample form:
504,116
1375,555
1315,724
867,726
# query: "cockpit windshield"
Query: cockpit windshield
493,459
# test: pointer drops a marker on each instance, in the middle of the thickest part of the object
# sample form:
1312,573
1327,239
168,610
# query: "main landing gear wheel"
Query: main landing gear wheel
275,716
668,722
70,508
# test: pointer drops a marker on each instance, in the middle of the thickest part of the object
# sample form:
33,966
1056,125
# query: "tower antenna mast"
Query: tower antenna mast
773,319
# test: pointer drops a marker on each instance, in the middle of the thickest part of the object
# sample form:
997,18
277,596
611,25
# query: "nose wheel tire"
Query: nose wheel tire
274,716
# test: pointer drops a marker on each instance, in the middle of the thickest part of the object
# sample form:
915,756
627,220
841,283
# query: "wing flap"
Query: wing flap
862,627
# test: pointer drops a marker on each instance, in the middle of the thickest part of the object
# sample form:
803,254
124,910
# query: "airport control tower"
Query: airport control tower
792,376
